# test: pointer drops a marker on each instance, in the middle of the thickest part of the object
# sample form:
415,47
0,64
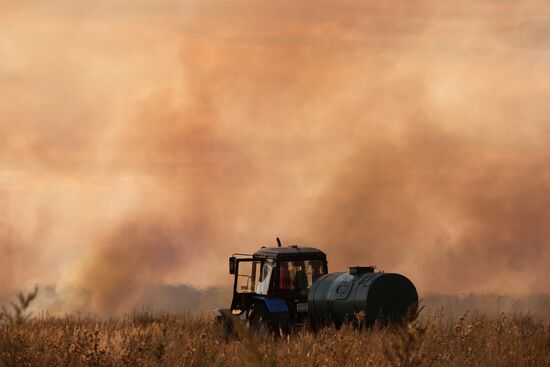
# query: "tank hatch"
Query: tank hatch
356,270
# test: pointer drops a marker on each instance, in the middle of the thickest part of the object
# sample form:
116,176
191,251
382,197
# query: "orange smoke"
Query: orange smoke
142,143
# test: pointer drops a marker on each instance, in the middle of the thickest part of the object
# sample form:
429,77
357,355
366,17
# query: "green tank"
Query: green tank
362,295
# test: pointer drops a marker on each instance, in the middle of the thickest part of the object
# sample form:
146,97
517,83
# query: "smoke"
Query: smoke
458,219
141,144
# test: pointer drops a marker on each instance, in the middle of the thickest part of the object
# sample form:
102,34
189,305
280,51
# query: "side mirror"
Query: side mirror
232,265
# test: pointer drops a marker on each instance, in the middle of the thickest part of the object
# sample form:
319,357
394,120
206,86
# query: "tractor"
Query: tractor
281,289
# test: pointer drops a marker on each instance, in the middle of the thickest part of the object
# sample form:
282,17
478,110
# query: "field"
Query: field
184,340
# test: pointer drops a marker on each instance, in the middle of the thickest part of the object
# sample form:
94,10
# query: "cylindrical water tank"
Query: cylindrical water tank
362,294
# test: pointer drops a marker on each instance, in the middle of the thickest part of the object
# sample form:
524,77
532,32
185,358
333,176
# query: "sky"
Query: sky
143,142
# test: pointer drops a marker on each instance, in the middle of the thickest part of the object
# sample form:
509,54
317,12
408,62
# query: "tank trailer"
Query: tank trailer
288,288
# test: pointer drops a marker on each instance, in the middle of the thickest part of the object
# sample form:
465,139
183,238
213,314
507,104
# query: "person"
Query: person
300,280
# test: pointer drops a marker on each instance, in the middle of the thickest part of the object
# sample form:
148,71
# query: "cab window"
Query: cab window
299,276
248,274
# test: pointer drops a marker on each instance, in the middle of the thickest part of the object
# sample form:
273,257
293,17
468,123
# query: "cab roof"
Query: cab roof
290,253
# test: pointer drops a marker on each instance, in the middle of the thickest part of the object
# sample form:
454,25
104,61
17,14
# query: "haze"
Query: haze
141,143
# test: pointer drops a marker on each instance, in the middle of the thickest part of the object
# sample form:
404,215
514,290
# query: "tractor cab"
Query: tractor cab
275,281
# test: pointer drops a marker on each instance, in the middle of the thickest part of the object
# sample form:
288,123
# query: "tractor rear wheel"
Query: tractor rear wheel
259,319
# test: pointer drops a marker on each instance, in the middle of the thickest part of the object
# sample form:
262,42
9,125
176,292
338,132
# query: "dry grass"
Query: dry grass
145,339
194,341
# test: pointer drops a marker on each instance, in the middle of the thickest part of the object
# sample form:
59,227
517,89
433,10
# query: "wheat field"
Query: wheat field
184,340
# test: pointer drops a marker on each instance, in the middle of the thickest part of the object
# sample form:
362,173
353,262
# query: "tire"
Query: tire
259,319
225,324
